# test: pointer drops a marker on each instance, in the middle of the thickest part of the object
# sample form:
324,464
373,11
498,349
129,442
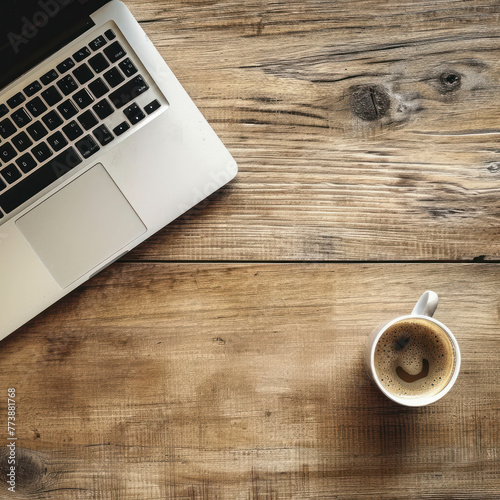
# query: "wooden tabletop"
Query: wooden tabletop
222,359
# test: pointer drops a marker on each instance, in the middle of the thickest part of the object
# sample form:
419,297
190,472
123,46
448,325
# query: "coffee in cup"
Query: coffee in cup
414,359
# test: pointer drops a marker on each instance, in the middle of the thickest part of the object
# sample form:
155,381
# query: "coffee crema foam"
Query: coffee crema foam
414,358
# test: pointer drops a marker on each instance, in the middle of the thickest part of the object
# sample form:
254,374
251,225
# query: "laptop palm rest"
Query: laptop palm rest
81,226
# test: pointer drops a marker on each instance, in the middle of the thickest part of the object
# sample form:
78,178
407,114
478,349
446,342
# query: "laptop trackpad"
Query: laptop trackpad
81,225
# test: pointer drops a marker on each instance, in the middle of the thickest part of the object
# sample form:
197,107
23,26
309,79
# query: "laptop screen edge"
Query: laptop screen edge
33,30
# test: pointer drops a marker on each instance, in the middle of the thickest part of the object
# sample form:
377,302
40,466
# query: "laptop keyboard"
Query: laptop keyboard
56,122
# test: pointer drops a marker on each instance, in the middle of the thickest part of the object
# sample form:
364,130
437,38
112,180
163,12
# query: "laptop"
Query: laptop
100,147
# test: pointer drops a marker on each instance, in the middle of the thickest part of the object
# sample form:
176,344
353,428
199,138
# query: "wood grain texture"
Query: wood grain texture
318,181
205,381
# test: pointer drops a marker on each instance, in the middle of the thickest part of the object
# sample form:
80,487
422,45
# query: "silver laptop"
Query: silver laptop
100,147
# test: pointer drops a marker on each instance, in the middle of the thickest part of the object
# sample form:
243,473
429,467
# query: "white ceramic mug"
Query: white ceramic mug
423,310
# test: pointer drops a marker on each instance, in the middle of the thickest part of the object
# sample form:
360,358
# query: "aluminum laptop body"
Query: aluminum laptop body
97,171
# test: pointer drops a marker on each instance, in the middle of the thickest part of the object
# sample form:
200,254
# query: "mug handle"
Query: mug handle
427,304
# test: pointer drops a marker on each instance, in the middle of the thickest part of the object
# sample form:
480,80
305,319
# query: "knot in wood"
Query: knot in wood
31,471
370,102
450,81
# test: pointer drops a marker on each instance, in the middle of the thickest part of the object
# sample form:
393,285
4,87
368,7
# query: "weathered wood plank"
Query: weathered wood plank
163,381
318,181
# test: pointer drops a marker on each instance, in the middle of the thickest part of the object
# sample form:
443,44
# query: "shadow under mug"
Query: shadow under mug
423,310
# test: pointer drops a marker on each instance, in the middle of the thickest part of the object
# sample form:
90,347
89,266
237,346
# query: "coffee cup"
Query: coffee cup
414,359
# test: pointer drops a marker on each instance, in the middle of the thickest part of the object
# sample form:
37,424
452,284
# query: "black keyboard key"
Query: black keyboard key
120,129
3,110
83,74
98,63
72,130
52,120
103,135
67,84
49,77
66,65
10,173
7,128
39,179
57,141
128,91
98,88
51,96
15,100
37,131
32,88
134,114
88,120
96,44
87,146
151,107
26,163
109,34
41,152
2,187
81,54
103,109
22,141
20,117
67,109
36,107
114,52
127,66
114,77
83,98
7,152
